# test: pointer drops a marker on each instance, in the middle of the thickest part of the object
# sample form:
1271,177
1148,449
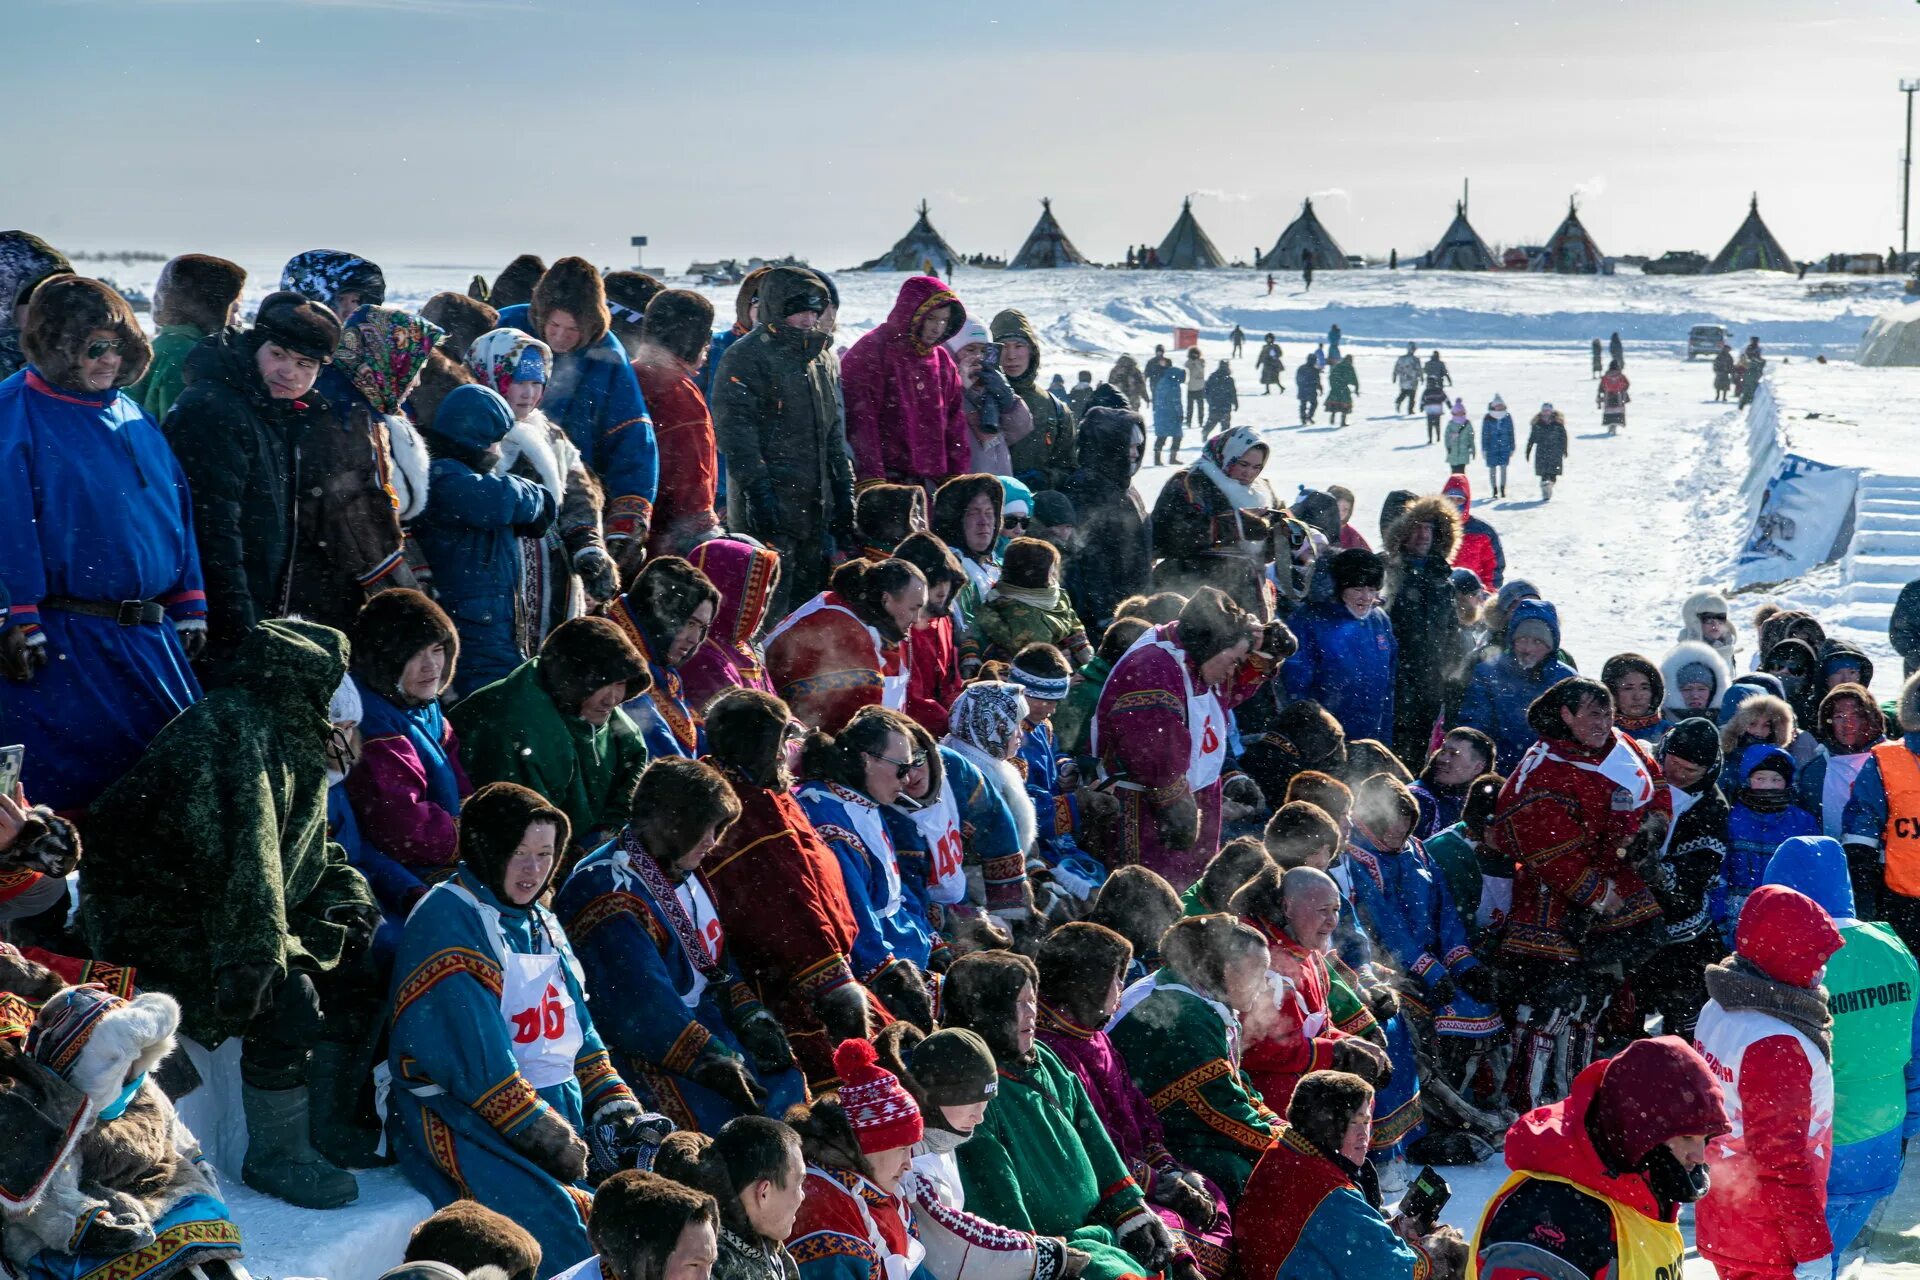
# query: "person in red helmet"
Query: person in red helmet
1768,1037
1599,1177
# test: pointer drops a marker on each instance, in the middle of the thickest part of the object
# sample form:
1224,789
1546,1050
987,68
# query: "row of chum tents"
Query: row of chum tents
1307,243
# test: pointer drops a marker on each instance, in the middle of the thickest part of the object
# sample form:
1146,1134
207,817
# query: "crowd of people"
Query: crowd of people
721,803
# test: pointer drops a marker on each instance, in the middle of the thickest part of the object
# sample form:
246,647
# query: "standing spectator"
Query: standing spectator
1114,558
25,261
746,318
1496,445
967,515
1349,536
1480,548
1081,395
996,415
1343,386
1045,457
1705,617
904,417
1128,379
1406,377
776,409
1435,370
195,297
1196,371
1761,817
1333,344
1848,725
594,396
341,281
1547,446
1222,398
1612,398
93,678
461,319
1239,339
237,432
1673,982
845,649
1420,603
1722,373
1768,1033
1639,693
673,342
1168,426
1459,438
1270,365
1503,687
1616,350
1348,655
1212,522
1598,358
1433,403
629,294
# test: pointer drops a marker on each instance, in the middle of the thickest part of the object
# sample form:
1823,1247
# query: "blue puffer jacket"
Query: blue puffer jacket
595,397
1753,836
1346,664
1496,440
470,532
1500,690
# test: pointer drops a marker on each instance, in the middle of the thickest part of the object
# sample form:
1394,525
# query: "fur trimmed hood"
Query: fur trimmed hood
98,1042
411,464
1684,654
463,319
64,311
572,285
198,289
1434,509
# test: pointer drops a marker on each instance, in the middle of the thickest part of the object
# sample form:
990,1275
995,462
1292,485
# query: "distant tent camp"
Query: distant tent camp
916,251
1047,245
1304,243
1462,249
1187,247
1752,248
1571,251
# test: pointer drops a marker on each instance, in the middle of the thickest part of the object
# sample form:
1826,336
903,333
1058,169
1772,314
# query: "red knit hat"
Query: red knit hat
884,1116
1786,934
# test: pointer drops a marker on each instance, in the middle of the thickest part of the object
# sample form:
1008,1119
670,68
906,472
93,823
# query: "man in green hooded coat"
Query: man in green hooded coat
1046,456
209,869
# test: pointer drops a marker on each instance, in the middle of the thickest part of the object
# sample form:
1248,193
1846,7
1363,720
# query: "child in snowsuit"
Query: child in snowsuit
1547,434
1459,439
1762,816
1433,402
1496,445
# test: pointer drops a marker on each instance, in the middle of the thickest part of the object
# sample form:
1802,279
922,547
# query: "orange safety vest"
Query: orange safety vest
1900,775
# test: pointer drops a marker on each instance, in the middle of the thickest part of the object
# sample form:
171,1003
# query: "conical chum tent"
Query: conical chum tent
920,250
1752,248
1305,243
1461,249
1187,247
1047,245
1572,251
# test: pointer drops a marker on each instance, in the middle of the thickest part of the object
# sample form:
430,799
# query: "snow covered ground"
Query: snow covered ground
1639,521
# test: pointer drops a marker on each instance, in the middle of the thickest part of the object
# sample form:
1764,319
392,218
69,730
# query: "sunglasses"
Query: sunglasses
1015,522
904,767
97,349
1713,617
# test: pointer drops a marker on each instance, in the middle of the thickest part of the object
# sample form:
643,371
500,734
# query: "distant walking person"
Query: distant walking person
1196,387
1722,373
1616,350
1306,380
1547,446
1333,344
1239,337
1343,384
1222,399
1269,284
1433,402
1306,273
1598,359
1611,399
1269,365
1436,370
1406,376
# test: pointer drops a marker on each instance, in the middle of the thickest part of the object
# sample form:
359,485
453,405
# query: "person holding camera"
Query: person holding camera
997,417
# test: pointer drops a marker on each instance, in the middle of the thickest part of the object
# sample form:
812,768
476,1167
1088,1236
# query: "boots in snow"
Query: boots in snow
1546,491
281,1160
1157,446
335,1075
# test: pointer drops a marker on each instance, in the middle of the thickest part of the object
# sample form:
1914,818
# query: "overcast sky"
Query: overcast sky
468,130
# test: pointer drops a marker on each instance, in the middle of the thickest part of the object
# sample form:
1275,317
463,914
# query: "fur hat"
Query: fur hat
296,322
573,286
932,557
439,378
1543,713
746,295
63,312
883,1114
950,502
1367,757
1357,567
1077,964
197,289
679,320
1439,512
1318,510
980,993
393,626
631,293
746,731
582,655
466,1235
514,285
665,595
463,318
97,1041
322,275
493,822
884,513
1137,903
1620,665
1031,564
1211,623
1324,1104
1309,735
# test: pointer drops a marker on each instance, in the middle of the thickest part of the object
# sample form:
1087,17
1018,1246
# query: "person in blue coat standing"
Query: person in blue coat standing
471,529
1496,445
1168,425
1762,816
99,563
1348,654
1504,686
594,395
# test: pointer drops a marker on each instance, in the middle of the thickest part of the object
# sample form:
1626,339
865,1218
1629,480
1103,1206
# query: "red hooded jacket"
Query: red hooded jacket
1479,545
905,404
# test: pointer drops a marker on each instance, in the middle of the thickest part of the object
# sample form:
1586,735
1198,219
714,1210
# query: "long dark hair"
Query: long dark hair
841,757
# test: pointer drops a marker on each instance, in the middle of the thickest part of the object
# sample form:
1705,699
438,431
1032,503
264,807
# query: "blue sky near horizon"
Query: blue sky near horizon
468,130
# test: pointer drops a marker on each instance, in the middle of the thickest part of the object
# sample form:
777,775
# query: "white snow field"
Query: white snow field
1639,521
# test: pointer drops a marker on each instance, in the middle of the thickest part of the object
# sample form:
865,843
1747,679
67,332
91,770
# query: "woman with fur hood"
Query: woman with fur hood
595,397
1693,680
1418,588
1705,617
1849,727
363,471
967,514
1765,719
1115,556
135,1193
478,1110
906,418
82,469
196,296
672,345
471,531
1213,520
1547,446
667,612
746,575
568,565
1041,1159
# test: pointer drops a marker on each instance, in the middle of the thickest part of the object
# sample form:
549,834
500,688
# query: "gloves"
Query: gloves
193,637
903,990
1384,1003
1815,1269
719,1071
999,388
599,576
626,1139
1481,983
1243,790
242,992
39,840
629,552
117,1225
551,1143
1193,1203
1441,989
844,1012
22,653
1178,821
360,919
1148,1240
1277,642
1362,1059
765,1041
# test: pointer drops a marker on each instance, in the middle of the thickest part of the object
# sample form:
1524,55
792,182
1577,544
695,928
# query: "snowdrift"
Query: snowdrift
1893,339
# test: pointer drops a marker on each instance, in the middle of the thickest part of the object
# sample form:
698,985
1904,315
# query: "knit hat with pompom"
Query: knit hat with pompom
884,1115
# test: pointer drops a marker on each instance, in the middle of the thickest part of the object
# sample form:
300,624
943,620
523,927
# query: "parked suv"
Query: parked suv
1705,339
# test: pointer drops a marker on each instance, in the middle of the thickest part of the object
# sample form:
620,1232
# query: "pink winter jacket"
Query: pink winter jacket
905,418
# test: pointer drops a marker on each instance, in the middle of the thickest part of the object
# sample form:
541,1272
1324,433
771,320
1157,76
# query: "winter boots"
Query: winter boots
281,1160
1157,444
1546,491
335,1076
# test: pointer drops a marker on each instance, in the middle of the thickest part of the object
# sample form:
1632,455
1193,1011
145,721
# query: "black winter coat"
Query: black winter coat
1681,876
240,450
1903,627
1113,555
1547,446
1427,629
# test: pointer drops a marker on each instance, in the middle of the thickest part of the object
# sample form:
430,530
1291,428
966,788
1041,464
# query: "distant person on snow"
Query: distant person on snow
1722,373
1222,398
1269,365
1612,398
1168,426
1459,438
1306,380
1239,338
1343,385
1269,284
1306,273
1496,445
1436,370
1196,388
1616,350
1333,344
1433,402
1598,362
1547,446
1406,376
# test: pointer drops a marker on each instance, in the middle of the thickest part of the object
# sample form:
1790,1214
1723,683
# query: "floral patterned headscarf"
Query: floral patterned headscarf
501,357
988,715
321,275
383,350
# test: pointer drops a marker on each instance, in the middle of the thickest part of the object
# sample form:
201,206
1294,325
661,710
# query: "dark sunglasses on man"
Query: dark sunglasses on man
904,767
1015,522
101,346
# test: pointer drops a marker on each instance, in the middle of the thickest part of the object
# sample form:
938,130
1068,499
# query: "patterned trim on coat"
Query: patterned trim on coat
437,1140
1147,699
209,1239
627,514
595,1073
508,1103
679,1058
612,905
834,1244
817,979
1187,1091
442,965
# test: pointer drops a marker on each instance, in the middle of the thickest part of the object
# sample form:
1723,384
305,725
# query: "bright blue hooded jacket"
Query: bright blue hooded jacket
1753,836
1500,690
1872,987
1402,896
1496,440
1346,664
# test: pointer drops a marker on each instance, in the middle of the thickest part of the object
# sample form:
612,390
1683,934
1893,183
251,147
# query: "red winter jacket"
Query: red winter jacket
827,664
683,429
935,680
906,420
1479,548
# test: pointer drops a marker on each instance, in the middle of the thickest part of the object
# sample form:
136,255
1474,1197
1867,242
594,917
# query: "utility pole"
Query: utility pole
1908,87
1466,191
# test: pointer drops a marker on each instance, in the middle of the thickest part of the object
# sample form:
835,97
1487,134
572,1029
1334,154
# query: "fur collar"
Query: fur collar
1006,781
129,1040
411,463
533,441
